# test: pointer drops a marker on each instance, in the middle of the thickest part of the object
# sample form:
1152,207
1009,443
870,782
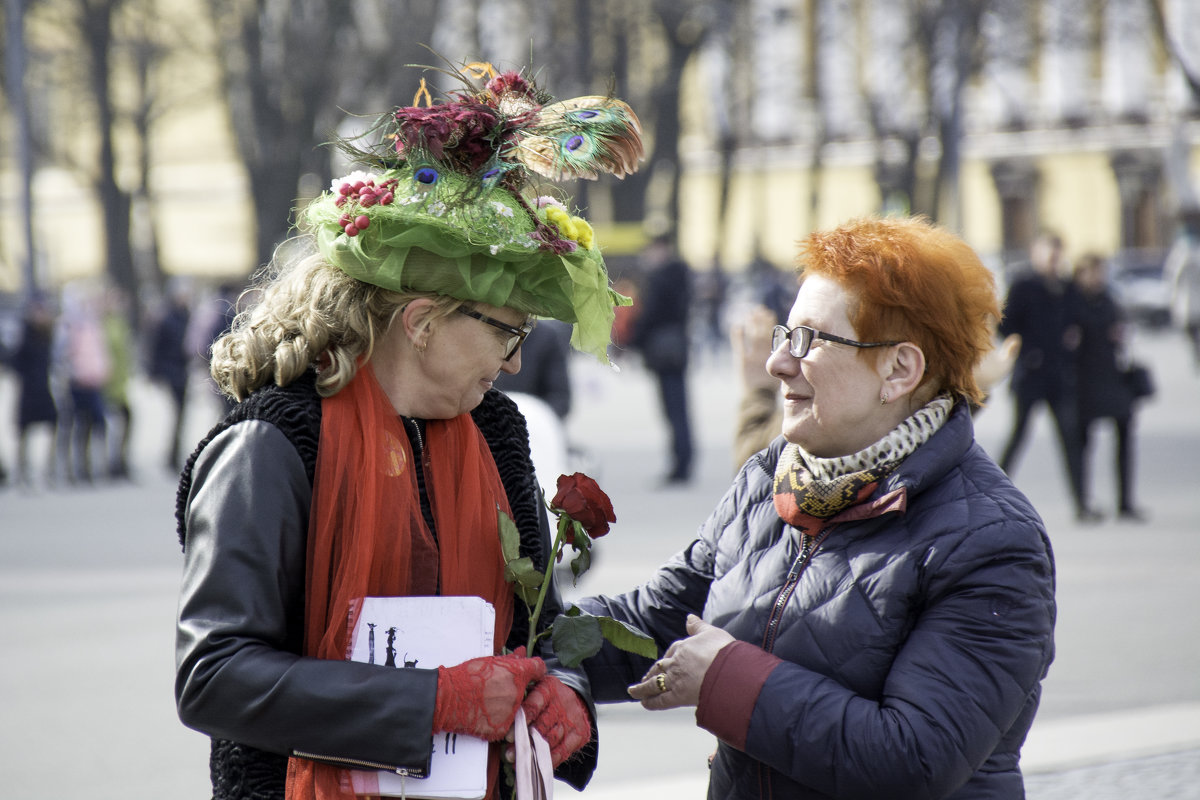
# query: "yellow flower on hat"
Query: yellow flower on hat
577,229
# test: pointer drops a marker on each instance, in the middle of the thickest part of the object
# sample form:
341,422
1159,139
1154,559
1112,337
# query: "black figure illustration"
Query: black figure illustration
391,648
409,664
371,643
451,743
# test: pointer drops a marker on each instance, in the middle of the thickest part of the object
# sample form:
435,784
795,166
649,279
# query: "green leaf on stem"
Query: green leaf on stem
510,537
627,637
581,563
578,636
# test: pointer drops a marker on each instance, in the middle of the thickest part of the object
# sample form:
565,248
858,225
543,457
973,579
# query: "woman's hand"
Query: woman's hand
480,697
675,679
554,710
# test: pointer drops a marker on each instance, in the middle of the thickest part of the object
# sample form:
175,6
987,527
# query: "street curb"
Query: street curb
1055,745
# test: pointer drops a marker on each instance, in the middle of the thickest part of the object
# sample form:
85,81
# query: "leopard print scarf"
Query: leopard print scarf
809,490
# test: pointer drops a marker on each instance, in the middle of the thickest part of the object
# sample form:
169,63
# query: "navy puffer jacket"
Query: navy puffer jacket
902,657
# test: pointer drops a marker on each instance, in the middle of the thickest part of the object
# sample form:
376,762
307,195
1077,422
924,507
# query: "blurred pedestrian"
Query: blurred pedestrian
771,287
170,363
1039,309
760,413
1102,392
118,335
31,361
712,293
545,367
1182,274
88,367
661,335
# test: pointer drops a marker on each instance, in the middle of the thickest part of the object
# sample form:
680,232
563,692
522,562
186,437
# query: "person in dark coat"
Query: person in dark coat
1102,392
869,611
661,334
1040,309
170,363
31,362
545,367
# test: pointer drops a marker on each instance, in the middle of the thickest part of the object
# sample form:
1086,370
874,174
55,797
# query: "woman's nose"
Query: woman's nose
513,365
780,363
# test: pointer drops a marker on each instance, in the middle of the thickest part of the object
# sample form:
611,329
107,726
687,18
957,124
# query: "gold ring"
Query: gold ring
660,680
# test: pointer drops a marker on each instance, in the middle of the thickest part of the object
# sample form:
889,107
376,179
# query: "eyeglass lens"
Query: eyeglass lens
799,339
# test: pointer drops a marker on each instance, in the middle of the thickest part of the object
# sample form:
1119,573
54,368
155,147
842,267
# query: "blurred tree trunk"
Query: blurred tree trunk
280,68
955,47
16,57
615,54
96,25
685,30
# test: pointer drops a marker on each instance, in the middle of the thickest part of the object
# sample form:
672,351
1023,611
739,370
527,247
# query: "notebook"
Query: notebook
427,632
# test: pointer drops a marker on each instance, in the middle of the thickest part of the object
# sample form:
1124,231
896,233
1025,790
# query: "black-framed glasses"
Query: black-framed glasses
516,336
800,339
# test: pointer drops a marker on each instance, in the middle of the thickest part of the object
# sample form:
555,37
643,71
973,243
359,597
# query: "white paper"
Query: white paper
424,633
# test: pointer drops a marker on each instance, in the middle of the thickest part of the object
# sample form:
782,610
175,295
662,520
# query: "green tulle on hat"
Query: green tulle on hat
450,206
482,250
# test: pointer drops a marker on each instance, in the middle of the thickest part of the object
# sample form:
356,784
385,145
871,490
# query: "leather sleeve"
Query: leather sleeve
239,674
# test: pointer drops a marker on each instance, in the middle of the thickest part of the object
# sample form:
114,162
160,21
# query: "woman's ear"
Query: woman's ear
417,319
902,370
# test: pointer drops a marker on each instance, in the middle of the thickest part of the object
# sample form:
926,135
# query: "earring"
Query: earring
883,398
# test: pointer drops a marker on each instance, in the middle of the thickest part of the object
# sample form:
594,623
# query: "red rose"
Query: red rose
580,498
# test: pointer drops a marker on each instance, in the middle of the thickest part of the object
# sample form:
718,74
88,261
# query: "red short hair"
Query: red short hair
911,280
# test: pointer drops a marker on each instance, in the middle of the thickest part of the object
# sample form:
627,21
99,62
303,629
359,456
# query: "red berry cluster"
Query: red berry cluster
364,194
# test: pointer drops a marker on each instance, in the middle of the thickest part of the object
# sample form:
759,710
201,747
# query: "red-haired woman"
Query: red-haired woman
869,612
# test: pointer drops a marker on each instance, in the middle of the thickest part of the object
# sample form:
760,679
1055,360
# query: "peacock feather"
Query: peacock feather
581,138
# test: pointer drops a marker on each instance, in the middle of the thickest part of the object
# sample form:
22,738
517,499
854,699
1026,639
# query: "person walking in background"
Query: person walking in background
545,367
118,335
1102,392
759,418
31,361
170,363
1039,309
220,321
712,296
88,367
661,335
1182,274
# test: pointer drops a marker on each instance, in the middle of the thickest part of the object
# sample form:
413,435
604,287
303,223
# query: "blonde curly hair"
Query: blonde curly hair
308,313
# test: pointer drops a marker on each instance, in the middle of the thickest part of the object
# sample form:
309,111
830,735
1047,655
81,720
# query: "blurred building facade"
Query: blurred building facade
1076,115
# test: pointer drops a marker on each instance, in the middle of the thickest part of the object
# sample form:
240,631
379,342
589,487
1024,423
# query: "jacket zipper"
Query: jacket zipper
355,763
808,546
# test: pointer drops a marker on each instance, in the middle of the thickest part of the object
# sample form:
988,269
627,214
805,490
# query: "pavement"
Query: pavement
88,578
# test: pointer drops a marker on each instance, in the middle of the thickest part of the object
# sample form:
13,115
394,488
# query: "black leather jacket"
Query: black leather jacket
243,515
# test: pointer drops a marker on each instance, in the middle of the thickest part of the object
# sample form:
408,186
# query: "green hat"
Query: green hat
449,203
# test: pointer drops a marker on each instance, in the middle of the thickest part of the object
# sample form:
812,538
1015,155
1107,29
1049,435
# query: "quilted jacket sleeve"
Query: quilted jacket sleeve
658,607
968,671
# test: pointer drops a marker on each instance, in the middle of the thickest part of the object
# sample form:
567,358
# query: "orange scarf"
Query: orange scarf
367,537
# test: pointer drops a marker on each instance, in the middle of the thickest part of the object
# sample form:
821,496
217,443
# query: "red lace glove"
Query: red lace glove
480,697
554,710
